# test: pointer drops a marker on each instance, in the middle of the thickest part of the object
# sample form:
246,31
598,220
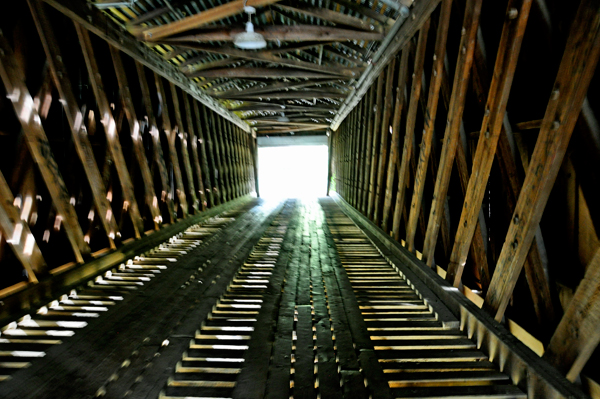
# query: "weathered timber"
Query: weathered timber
110,131
452,134
370,110
136,137
81,142
430,113
384,131
394,163
574,75
40,150
409,135
335,17
156,145
378,110
168,130
506,61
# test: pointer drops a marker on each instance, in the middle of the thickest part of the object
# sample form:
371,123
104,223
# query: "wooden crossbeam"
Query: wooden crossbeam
18,236
288,130
335,17
366,11
506,62
429,122
292,94
394,163
203,18
136,137
273,59
39,148
167,127
110,131
156,145
191,69
384,131
284,33
574,75
80,138
452,134
267,73
409,135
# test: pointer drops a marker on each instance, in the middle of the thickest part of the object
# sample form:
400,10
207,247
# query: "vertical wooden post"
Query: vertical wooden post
194,146
374,156
506,62
218,137
409,134
361,150
430,114
169,131
110,130
574,76
81,142
180,131
395,144
254,151
452,134
384,130
136,138
156,146
370,110
39,147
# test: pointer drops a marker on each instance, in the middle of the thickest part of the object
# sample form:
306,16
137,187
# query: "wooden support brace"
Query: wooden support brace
409,135
156,146
136,138
214,157
81,142
384,130
574,75
430,115
194,148
110,130
167,127
506,62
180,131
369,112
452,134
377,109
39,148
395,144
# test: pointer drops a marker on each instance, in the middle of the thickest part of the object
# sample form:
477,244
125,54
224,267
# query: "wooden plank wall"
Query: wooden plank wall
476,172
96,150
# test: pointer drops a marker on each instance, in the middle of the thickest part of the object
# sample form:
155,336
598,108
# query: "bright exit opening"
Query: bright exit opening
292,167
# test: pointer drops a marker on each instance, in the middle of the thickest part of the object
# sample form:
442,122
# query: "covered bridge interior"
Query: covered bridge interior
453,254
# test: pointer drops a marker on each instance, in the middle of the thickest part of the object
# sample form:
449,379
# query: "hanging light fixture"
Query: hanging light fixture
249,40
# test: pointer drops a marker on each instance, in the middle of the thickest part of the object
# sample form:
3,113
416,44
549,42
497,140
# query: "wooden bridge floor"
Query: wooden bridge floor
267,301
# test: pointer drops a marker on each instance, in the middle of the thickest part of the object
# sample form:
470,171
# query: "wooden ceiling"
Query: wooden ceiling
317,54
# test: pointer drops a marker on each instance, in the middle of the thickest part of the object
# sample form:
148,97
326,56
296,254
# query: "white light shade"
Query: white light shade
249,40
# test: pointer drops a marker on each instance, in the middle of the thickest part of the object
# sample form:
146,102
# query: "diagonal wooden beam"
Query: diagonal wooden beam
179,130
452,134
384,131
167,127
199,181
395,144
156,145
335,17
110,131
574,76
377,109
409,134
577,335
370,111
136,138
205,132
39,147
506,62
202,144
429,122
81,142
271,58
18,236
203,18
